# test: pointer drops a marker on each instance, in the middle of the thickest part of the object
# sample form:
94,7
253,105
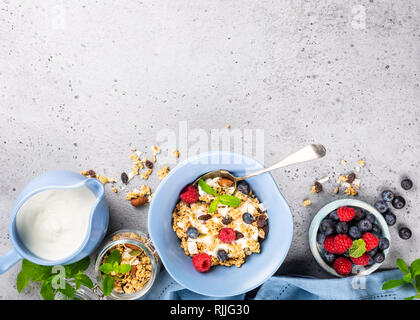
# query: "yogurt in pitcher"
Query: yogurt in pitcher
53,223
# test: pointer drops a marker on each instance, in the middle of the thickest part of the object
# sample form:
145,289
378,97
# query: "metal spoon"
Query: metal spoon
308,153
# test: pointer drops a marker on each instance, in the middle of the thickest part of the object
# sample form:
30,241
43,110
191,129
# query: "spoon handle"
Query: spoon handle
308,153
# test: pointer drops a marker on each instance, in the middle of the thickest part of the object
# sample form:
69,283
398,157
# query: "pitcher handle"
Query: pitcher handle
9,260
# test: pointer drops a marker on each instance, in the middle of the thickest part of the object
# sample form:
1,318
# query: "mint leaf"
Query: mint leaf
22,281
35,271
402,266
107,285
206,188
407,277
418,283
114,256
77,284
47,291
68,291
415,267
213,205
106,268
357,249
410,298
124,268
86,281
77,267
229,200
390,284
116,267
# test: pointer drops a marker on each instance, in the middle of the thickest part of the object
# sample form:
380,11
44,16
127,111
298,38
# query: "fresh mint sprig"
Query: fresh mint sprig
44,274
225,199
411,276
112,265
357,249
206,188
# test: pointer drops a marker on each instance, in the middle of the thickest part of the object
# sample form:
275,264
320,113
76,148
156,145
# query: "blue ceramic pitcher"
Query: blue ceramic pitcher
98,223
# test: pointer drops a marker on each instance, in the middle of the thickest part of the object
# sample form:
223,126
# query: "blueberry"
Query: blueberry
364,225
192,232
371,261
404,233
329,257
398,202
355,233
243,187
379,257
346,254
376,230
371,218
342,227
222,255
383,243
381,206
327,227
406,184
388,195
334,216
359,214
320,238
372,252
248,218
390,218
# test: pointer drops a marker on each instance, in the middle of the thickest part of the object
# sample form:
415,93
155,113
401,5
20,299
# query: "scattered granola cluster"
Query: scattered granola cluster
163,172
144,195
92,174
349,182
142,167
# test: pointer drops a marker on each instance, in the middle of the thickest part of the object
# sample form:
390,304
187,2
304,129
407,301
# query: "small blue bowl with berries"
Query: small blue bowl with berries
349,237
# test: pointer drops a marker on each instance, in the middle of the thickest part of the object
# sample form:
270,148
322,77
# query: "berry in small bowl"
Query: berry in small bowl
349,237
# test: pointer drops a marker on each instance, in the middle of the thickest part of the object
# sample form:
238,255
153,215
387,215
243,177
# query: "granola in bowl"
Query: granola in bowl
218,224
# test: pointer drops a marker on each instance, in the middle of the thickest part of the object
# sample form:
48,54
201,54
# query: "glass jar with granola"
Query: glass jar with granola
127,265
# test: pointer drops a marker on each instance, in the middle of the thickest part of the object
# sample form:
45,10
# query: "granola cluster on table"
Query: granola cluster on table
215,231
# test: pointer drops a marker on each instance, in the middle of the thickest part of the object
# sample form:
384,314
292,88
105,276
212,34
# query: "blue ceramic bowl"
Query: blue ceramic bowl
98,223
317,250
220,281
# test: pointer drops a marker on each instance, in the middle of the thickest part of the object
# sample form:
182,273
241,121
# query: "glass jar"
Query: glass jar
134,238
83,293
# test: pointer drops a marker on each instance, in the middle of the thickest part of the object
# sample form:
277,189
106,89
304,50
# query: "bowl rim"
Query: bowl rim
220,155
323,212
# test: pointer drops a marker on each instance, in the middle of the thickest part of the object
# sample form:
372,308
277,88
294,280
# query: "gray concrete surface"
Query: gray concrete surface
82,82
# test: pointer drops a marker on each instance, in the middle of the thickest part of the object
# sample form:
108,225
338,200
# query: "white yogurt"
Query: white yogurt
53,223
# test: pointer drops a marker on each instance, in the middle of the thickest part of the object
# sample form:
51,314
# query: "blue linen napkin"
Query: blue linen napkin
297,288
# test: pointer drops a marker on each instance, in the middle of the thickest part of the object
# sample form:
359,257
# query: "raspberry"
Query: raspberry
342,266
342,243
345,214
371,241
189,194
201,262
329,244
361,261
227,235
